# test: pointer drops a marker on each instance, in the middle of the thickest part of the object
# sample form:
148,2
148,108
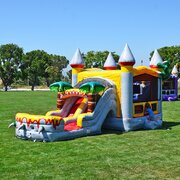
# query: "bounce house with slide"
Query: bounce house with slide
122,99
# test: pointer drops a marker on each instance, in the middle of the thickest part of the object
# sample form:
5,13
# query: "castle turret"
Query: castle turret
110,63
175,70
126,62
77,64
156,58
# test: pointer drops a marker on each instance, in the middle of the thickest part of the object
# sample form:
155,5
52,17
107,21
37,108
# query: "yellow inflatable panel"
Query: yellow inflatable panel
38,119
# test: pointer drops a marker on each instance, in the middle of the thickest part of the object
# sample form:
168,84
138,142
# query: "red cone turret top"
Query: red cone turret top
110,63
77,60
126,58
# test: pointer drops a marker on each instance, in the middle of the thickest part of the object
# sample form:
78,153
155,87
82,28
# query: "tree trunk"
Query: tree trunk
34,83
32,87
47,82
6,88
5,84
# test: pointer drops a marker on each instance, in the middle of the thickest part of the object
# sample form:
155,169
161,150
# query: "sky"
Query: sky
62,26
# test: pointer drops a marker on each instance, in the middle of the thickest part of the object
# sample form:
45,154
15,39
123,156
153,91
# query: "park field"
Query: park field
151,154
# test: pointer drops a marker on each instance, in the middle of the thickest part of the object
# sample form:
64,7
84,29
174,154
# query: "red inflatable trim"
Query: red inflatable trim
127,63
77,65
110,68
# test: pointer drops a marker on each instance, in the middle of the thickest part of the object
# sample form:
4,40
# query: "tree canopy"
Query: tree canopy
34,66
37,67
10,62
97,59
55,68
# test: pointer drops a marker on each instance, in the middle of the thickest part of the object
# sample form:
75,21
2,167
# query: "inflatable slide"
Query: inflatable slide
82,112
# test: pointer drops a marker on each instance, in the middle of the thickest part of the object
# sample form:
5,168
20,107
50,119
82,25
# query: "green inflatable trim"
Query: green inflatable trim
92,87
60,86
165,66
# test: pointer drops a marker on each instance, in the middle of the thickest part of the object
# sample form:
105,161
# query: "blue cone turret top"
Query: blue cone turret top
126,58
77,60
110,63
156,58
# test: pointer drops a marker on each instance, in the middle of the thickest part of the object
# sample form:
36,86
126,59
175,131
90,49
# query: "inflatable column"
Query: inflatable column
77,64
156,58
126,62
174,75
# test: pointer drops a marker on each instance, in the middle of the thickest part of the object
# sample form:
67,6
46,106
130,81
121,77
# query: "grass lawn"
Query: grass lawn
112,155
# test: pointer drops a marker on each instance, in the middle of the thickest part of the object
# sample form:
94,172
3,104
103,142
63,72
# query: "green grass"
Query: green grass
112,155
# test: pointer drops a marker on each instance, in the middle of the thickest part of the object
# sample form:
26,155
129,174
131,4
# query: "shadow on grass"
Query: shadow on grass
169,125
166,125
107,131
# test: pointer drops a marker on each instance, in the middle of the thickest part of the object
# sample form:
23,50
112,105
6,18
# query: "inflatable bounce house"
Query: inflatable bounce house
170,81
122,99
170,86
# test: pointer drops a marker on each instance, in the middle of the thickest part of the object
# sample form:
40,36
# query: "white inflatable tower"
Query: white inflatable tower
126,62
77,64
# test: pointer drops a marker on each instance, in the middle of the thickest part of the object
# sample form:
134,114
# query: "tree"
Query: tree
54,72
172,54
34,66
10,61
97,59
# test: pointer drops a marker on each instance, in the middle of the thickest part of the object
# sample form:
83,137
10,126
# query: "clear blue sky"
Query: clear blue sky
62,26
